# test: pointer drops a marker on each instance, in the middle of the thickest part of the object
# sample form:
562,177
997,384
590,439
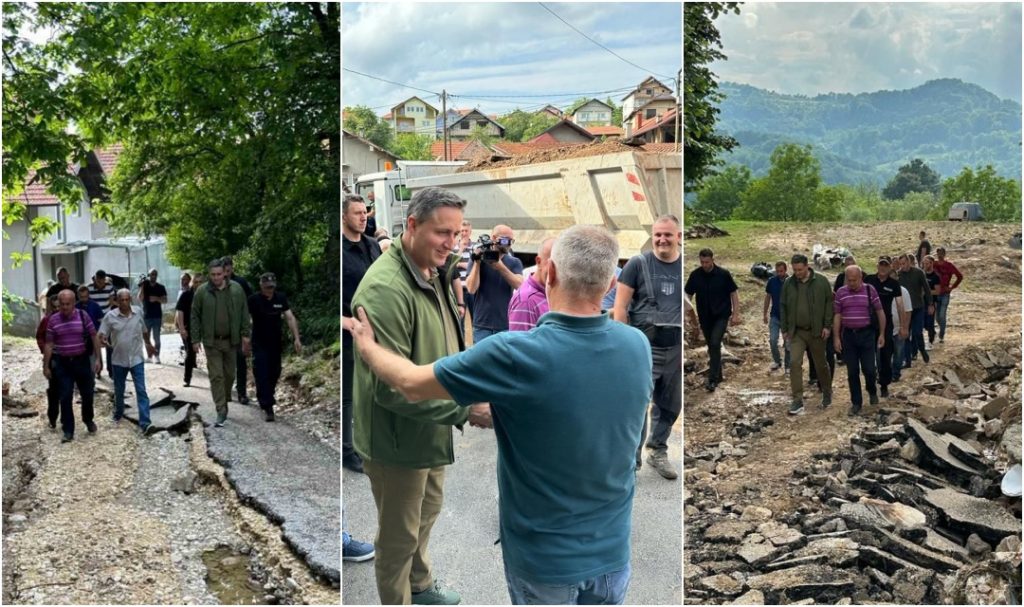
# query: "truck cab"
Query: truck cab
391,196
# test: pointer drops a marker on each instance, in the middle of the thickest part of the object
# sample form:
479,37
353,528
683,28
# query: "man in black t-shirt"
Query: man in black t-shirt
923,249
241,370
888,289
267,308
63,282
718,305
152,296
183,322
358,251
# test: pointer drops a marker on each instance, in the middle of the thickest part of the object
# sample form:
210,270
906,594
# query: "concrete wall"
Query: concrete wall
360,159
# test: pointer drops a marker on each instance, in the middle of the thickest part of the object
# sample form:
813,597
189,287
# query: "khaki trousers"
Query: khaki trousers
220,365
408,502
801,341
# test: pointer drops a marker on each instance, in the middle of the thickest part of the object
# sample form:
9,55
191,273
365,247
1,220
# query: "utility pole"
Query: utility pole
444,122
679,108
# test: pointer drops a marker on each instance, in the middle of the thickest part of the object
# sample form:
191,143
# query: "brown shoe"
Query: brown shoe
659,461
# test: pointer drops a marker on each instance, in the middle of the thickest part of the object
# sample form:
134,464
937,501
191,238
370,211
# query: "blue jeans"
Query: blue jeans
605,589
153,324
774,330
482,333
897,356
915,341
120,374
941,306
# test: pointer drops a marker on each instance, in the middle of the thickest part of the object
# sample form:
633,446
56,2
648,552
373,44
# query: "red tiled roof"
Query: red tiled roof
455,148
604,130
659,147
108,157
655,123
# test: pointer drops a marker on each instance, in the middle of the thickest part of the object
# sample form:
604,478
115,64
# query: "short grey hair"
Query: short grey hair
585,258
216,263
117,294
428,200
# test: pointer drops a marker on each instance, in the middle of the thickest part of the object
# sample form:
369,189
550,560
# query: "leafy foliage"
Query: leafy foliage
523,126
913,177
481,134
409,146
702,142
1000,198
792,190
229,118
362,121
720,194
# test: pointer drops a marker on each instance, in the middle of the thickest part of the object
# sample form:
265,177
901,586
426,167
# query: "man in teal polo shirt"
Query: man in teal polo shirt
566,448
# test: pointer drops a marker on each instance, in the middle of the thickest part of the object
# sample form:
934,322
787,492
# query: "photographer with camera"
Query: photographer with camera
493,275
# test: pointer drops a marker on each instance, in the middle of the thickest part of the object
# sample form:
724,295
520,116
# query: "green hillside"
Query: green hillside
866,137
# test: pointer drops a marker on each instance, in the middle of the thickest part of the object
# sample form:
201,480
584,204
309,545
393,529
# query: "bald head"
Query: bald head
66,302
854,277
543,256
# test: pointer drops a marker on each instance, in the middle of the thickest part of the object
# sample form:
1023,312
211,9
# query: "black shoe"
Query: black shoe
53,425
884,392
710,385
826,401
854,411
67,438
924,356
187,384
873,399
243,400
268,415
91,427
353,462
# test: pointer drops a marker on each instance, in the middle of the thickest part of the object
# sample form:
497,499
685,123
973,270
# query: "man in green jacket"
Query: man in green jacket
220,324
806,323
407,295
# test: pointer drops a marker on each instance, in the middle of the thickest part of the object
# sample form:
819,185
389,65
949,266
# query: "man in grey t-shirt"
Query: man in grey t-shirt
125,331
657,310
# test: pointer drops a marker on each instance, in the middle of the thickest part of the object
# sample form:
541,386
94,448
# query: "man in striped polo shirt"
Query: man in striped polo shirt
530,302
66,335
856,335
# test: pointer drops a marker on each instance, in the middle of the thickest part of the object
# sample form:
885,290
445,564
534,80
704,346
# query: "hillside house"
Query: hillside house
659,130
413,115
644,92
360,156
593,113
565,131
552,111
653,109
461,129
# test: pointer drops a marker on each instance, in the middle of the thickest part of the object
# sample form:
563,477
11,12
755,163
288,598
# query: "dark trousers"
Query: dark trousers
190,359
347,377
915,341
266,371
714,332
859,347
241,372
830,360
667,372
53,394
929,325
884,360
71,372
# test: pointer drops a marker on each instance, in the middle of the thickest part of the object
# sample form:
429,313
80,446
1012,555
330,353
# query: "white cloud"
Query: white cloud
832,47
503,49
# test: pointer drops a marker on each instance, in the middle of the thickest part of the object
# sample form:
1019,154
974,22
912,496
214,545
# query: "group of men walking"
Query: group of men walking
84,322
564,447
876,323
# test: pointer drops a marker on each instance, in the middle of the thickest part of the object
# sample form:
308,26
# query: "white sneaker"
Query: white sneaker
775,367
927,346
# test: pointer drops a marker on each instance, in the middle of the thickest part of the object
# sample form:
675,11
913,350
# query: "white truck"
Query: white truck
624,191
390,192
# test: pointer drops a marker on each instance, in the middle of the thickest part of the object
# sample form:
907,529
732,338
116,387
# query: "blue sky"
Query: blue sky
503,50
807,49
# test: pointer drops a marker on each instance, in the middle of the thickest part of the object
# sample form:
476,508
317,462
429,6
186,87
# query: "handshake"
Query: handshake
480,415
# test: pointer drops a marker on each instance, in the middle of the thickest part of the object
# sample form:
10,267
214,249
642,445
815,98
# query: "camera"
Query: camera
490,249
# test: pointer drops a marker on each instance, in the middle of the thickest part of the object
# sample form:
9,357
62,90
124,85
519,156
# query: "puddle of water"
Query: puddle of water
228,579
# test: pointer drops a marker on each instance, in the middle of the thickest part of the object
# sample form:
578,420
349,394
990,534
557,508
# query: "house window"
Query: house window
650,113
465,126
647,91
482,124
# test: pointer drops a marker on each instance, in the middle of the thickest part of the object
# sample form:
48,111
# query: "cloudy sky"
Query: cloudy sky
861,47
493,55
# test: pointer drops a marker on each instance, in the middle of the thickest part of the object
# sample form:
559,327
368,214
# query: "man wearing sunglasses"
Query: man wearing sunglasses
493,275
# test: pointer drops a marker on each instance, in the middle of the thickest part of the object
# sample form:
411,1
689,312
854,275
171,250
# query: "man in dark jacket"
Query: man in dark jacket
718,305
806,324
915,281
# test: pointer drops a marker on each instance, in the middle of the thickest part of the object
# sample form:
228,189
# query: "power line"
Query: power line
574,28
408,86
583,94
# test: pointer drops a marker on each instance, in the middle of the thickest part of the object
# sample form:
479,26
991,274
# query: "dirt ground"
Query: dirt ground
985,310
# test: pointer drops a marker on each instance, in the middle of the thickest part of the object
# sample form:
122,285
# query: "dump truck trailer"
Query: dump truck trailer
624,191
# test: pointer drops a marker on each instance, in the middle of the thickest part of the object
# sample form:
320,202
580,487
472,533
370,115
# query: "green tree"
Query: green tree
791,191
1000,198
616,112
481,134
720,194
362,121
580,101
913,177
229,118
702,144
409,146
523,126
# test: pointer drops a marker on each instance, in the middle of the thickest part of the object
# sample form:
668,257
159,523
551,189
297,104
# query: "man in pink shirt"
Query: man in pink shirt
946,271
69,332
529,302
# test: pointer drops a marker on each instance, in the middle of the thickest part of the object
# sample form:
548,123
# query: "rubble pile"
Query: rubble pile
910,511
704,230
824,258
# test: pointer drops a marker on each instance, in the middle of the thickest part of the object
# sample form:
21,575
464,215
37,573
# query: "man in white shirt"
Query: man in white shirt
125,331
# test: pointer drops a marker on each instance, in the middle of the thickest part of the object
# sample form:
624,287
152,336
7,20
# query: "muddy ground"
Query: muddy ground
119,518
770,445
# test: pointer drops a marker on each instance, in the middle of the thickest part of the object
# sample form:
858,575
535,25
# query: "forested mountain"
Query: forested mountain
947,123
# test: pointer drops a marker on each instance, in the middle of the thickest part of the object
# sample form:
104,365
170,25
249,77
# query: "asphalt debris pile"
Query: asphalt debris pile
911,511
704,230
824,258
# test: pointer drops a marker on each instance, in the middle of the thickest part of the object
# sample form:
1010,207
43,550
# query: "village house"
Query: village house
564,131
360,156
413,115
82,242
593,113
638,97
658,130
462,128
552,111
